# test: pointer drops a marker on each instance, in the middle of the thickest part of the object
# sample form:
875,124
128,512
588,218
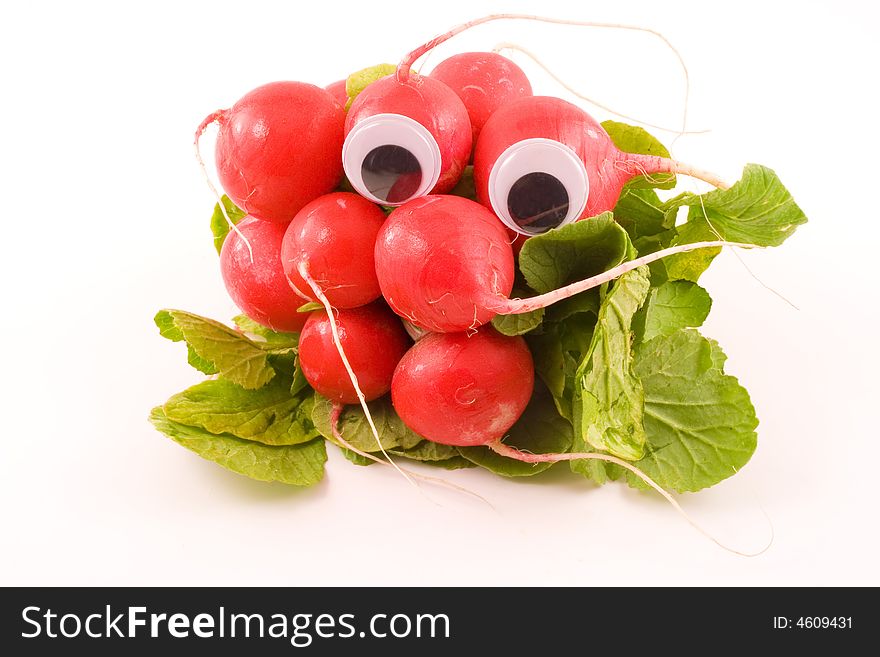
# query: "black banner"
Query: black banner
418,621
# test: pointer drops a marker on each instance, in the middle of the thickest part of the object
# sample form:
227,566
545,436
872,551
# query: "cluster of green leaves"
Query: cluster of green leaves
622,369
624,363
258,416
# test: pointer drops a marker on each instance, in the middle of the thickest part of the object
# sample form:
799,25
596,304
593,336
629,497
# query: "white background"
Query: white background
105,221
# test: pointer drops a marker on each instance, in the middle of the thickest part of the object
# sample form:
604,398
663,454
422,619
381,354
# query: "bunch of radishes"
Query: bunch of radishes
380,219
442,263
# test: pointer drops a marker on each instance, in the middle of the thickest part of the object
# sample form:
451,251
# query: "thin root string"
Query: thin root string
506,45
700,174
511,452
743,262
405,65
319,294
336,414
517,306
211,118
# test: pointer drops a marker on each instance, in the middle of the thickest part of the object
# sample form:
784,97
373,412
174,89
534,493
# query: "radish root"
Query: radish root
335,415
506,306
506,45
406,64
511,452
319,294
212,118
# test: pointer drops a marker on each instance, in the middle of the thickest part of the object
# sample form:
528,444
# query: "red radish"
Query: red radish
460,389
335,235
562,161
445,263
404,140
337,90
484,81
374,342
279,147
255,278
441,260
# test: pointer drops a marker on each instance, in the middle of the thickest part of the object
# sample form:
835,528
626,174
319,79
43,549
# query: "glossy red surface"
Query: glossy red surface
336,235
460,389
280,147
260,288
374,341
441,259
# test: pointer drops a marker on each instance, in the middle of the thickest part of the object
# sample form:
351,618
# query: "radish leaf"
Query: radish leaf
355,429
298,465
608,397
269,415
573,252
699,421
223,349
219,225
669,307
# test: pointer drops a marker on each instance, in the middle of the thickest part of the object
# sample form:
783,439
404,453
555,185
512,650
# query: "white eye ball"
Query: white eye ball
537,185
391,159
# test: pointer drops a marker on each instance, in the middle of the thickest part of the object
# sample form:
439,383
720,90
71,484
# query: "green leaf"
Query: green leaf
298,465
428,451
608,397
268,415
466,186
585,302
632,139
309,307
672,306
557,352
219,225
225,350
687,266
573,252
360,80
518,324
455,463
540,430
757,209
266,337
356,430
700,422
642,214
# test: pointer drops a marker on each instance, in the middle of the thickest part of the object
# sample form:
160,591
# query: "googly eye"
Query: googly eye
538,184
391,159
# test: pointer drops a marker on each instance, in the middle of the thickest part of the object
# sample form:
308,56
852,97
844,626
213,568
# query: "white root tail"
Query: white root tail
506,306
319,294
511,452
199,132
406,64
506,45
337,436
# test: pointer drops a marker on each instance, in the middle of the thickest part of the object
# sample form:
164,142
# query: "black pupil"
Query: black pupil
537,202
391,173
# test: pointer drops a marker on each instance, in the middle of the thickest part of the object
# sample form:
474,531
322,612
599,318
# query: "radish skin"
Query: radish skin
250,263
338,91
464,390
484,81
335,234
608,169
373,340
258,168
441,261
446,264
